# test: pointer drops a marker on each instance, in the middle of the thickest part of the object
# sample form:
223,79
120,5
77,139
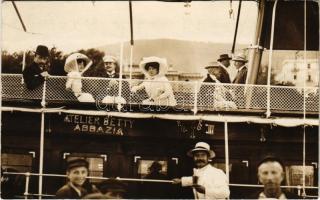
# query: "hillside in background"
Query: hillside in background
183,56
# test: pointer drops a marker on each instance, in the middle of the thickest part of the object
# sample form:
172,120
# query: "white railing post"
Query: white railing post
26,189
226,147
43,101
195,106
41,154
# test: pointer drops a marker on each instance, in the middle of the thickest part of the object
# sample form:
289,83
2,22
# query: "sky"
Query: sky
71,26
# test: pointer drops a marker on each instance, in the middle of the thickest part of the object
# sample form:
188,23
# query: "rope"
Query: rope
148,180
19,16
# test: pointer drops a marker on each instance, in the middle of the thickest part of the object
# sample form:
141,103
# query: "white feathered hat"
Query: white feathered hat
71,61
163,66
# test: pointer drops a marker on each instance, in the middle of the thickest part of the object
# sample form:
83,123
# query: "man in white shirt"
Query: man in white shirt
207,181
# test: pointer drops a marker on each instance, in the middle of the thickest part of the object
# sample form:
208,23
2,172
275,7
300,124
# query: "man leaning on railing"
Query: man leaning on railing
35,74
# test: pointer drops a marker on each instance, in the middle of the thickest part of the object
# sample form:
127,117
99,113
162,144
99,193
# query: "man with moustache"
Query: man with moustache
271,174
78,186
35,74
207,181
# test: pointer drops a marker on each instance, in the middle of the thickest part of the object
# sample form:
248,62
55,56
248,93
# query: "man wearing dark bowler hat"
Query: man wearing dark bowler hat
224,62
35,74
78,186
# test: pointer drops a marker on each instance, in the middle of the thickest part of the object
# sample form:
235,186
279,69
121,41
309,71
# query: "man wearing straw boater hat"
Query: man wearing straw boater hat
207,181
240,64
35,74
78,186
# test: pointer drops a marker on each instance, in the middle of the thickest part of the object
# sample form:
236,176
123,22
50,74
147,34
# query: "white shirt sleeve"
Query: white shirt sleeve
186,181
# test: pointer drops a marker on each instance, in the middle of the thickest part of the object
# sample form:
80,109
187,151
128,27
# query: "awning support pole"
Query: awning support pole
226,146
268,113
41,155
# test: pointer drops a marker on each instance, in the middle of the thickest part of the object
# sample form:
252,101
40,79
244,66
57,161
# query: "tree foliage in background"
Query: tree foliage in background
12,63
96,56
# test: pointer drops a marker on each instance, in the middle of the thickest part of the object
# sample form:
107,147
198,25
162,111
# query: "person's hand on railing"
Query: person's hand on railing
134,89
44,74
113,83
176,181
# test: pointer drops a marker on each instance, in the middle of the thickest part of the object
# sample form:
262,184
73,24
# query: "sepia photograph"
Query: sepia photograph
212,99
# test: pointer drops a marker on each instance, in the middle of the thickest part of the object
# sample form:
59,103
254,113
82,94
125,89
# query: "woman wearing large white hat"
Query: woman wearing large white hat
157,85
76,64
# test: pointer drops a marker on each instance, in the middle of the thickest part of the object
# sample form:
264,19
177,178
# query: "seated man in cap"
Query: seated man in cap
110,70
215,95
207,181
77,186
35,74
271,172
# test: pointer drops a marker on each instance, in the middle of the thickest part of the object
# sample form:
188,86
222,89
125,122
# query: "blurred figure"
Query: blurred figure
35,74
271,174
240,64
109,189
12,185
157,87
207,181
78,186
155,171
153,190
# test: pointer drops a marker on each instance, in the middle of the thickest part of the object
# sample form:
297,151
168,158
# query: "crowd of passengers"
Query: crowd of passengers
206,182
156,85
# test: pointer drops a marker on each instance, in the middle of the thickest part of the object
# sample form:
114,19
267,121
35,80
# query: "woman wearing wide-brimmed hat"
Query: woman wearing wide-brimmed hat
76,64
157,85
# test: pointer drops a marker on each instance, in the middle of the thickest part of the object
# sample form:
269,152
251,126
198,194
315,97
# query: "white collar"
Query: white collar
242,68
222,65
263,196
214,78
199,170
111,73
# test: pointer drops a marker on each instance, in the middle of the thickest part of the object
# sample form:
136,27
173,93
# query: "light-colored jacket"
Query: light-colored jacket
214,180
159,89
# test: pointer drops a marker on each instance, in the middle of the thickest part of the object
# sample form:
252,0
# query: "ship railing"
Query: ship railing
183,95
27,175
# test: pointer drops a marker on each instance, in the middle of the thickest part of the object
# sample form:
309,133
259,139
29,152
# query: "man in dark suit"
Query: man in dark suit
240,64
271,172
35,74
224,62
